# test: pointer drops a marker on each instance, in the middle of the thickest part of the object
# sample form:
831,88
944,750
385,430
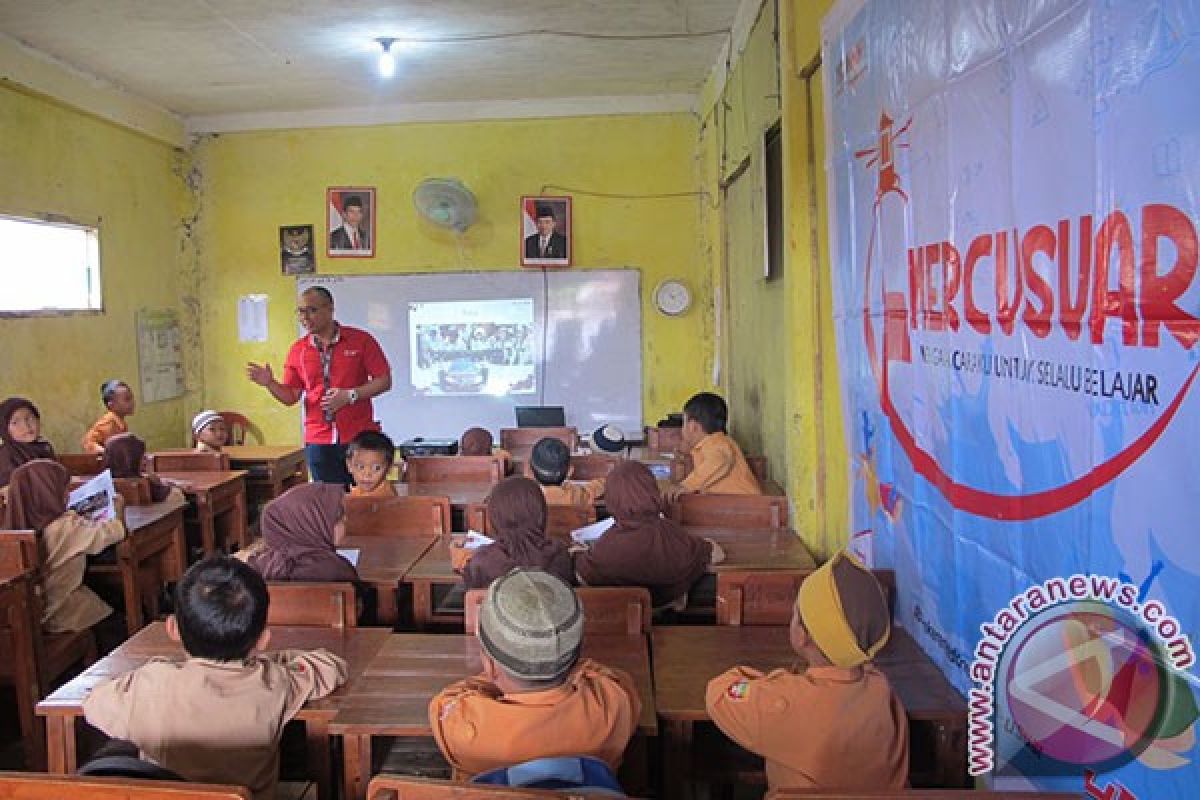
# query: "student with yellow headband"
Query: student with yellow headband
835,723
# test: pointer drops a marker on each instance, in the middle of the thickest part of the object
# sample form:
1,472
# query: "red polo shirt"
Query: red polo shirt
356,359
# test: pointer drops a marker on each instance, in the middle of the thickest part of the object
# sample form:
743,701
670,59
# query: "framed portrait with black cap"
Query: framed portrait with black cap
350,221
546,231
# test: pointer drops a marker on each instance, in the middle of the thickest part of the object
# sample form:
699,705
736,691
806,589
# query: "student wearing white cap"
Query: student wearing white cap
209,431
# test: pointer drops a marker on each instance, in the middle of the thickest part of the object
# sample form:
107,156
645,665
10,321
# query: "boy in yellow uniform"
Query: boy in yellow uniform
718,466
217,715
835,723
118,399
535,698
369,459
550,466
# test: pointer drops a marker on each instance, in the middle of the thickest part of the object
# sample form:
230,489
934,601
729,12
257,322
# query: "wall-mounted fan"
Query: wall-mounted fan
445,202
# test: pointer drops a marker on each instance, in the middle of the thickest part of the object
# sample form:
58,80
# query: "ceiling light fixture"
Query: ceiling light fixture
387,61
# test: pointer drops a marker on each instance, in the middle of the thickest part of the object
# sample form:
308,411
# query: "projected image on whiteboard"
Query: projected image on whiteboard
472,347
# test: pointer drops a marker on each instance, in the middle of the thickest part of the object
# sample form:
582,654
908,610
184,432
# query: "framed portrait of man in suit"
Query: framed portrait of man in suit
350,213
546,231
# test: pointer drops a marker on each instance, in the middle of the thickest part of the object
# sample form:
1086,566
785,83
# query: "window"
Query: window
773,190
48,267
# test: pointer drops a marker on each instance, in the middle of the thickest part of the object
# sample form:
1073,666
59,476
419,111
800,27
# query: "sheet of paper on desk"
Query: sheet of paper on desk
474,540
660,471
94,499
350,554
590,533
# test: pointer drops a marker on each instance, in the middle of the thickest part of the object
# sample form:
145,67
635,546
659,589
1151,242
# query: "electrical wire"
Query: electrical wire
618,196
613,37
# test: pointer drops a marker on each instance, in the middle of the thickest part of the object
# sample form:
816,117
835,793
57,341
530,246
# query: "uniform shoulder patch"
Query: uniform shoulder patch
738,690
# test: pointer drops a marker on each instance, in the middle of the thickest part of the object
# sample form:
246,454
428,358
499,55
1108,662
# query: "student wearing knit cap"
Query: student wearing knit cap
550,466
535,698
836,723
209,431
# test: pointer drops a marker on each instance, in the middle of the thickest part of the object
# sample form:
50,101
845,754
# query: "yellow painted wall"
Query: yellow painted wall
777,341
255,182
59,161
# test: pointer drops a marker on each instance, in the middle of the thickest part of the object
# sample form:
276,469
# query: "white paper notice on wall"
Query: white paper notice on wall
252,318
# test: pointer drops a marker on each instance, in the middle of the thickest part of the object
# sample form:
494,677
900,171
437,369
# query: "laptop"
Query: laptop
541,417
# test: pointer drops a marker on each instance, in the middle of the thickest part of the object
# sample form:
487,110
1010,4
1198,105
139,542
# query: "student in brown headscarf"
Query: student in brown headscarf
642,548
301,529
37,500
478,442
124,453
836,723
517,511
20,436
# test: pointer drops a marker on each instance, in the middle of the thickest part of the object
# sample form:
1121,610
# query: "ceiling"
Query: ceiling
211,57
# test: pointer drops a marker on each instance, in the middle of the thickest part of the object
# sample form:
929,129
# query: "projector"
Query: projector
429,447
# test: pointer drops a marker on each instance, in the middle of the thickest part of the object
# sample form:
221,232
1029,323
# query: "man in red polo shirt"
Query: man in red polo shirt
338,369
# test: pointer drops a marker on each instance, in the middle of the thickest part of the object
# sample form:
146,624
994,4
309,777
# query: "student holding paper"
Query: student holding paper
517,510
37,500
301,529
643,548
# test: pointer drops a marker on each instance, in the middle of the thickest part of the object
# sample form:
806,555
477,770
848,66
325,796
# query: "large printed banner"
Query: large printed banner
1014,204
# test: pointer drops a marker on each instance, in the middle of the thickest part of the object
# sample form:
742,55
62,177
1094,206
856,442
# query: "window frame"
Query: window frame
62,221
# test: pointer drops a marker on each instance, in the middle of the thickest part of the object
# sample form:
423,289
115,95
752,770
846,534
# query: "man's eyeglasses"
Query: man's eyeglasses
308,311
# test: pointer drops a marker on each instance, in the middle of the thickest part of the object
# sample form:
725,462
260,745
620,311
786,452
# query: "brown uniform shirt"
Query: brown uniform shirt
574,493
101,431
68,541
384,489
593,713
824,728
718,467
214,721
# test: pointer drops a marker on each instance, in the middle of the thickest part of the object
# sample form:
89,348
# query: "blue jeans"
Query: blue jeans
327,463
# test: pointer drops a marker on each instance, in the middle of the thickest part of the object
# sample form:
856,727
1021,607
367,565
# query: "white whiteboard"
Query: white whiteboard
581,348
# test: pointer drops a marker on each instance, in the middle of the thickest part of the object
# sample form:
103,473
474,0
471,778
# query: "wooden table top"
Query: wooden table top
756,548
687,657
392,695
745,548
193,483
460,493
356,645
139,517
387,559
243,453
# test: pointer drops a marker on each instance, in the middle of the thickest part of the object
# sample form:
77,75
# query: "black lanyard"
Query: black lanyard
326,356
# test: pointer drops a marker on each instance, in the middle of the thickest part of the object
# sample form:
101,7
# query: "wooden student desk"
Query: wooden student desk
391,698
270,469
216,496
687,657
64,707
153,553
19,632
745,548
383,562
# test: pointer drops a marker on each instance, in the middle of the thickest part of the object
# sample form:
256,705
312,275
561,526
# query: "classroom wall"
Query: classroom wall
254,182
776,341
59,161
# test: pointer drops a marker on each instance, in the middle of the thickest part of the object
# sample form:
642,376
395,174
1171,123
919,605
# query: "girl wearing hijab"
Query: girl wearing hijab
301,529
20,436
124,453
478,442
643,548
37,500
517,511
